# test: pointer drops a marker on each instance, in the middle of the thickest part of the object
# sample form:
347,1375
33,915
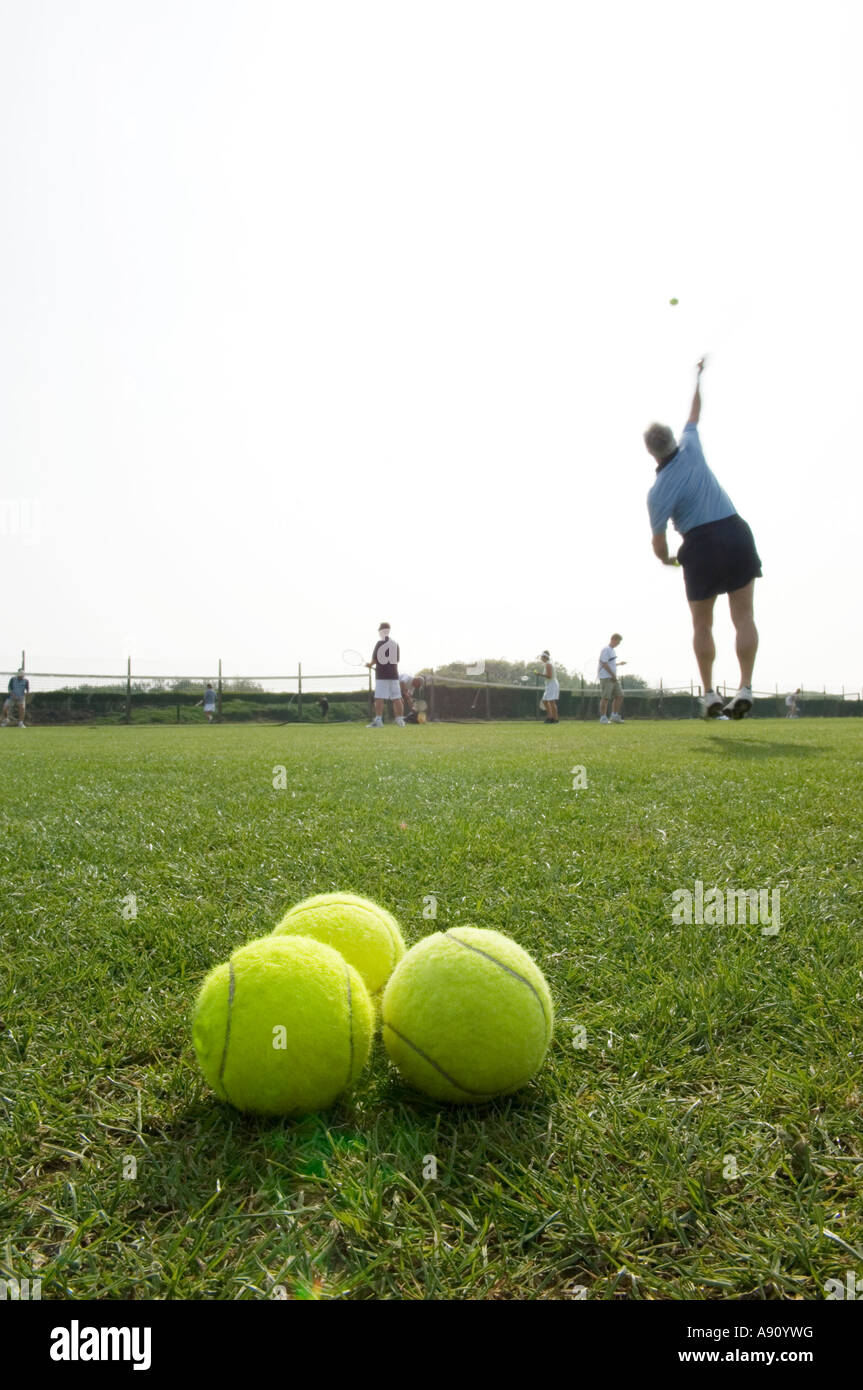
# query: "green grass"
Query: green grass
608,1172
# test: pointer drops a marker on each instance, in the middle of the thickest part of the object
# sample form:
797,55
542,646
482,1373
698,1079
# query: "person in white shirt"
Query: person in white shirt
410,686
791,702
551,694
609,686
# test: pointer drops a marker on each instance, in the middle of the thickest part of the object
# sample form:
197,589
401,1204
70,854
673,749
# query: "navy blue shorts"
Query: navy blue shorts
718,558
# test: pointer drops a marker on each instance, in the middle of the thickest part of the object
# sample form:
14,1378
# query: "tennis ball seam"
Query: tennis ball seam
224,1061
382,922
377,921
432,1063
508,968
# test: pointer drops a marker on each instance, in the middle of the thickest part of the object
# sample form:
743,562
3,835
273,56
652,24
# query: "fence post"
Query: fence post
219,695
430,683
300,691
487,697
128,690
371,697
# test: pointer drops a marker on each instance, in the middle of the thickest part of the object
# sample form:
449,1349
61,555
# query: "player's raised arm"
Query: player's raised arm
695,409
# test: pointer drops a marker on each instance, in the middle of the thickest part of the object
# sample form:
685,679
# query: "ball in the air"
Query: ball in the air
467,1015
367,935
674,301
283,1027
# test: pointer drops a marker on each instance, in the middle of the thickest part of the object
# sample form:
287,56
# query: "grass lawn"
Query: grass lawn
694,1130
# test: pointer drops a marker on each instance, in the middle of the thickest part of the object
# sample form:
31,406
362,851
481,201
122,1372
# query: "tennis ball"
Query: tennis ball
674,301
367,936
467,1015
283,1027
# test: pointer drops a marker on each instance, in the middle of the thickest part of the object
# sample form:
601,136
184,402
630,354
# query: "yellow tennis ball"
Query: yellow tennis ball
467,1015
367,936
673,301
283,1027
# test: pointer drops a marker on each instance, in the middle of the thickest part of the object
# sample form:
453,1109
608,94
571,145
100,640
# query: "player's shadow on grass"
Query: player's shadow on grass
756,748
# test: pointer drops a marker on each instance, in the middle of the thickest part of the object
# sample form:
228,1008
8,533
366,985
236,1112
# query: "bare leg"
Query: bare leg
740,603
603,707
379,708
702,638
617,704
398,708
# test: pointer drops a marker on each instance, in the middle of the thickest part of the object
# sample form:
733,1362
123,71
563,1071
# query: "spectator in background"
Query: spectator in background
209,703
609,686
791,702
19,689
324,707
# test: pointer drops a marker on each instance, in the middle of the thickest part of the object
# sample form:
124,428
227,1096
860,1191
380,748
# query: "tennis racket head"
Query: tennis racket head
421,706
351,657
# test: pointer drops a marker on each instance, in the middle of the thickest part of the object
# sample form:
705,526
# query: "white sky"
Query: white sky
315,314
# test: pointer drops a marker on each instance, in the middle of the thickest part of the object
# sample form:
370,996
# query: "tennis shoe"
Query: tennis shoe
711,705
740,704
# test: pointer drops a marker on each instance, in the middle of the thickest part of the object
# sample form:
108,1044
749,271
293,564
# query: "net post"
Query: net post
300,692
219,693
128,690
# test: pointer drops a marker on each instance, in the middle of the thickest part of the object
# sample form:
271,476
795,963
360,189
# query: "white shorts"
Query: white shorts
388,690
552,690
209,709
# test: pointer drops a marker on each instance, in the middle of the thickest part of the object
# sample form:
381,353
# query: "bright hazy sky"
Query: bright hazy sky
316,314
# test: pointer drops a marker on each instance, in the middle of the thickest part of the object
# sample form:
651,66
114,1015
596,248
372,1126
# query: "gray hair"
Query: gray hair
660,441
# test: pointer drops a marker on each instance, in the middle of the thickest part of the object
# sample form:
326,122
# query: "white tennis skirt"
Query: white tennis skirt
552,690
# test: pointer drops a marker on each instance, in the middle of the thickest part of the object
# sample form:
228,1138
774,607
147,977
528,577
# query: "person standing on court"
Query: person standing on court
718,554
551,693
385,660
609,686
209,703
19,689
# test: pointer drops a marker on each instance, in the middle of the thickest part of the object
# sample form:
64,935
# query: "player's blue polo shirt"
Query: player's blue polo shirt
686,491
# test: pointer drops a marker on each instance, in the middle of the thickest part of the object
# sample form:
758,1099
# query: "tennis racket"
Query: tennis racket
421,706
353,658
